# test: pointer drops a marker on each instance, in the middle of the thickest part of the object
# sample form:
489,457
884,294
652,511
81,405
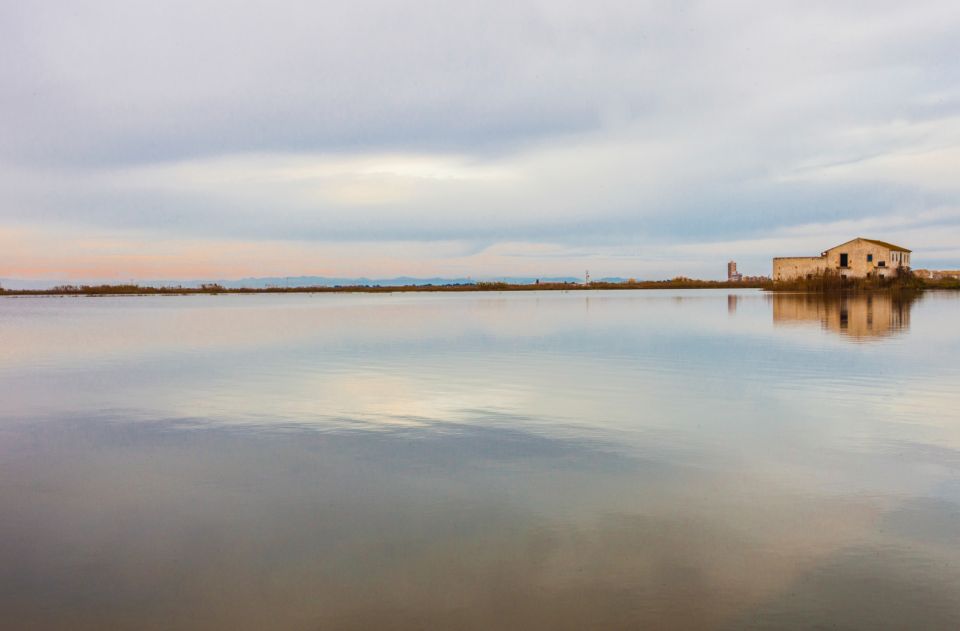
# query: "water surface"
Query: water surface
626,459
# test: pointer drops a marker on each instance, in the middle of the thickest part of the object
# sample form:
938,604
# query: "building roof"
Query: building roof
882,244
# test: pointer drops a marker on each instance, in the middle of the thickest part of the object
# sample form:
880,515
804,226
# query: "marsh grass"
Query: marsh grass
213,288
829,282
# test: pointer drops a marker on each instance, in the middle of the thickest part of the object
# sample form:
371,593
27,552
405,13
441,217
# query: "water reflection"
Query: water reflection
541,461
161,526
857,316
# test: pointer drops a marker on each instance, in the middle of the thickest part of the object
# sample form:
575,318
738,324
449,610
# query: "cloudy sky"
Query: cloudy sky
221,139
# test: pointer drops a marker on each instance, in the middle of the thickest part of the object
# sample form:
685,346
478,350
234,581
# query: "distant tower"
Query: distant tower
586,277
732,274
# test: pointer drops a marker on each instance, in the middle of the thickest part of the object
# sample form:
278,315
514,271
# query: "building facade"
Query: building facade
732,275
857,258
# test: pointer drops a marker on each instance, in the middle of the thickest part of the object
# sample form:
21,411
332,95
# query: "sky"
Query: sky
649,139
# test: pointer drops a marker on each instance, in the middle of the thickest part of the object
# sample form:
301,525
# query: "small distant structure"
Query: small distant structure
733,276
857,258
935,274
586,277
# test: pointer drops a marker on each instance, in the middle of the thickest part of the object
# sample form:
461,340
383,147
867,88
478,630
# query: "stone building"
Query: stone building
733,275
858,258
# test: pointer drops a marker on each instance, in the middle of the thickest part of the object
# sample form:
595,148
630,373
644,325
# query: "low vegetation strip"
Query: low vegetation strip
146,290
831,283
825,283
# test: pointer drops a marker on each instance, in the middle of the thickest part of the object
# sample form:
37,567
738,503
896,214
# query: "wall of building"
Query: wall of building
793,267
864,258
858,266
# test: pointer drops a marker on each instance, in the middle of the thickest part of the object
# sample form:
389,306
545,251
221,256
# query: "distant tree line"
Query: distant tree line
215,288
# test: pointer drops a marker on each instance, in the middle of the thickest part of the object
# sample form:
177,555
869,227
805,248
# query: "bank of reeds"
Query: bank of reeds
830,282
145,290
941,283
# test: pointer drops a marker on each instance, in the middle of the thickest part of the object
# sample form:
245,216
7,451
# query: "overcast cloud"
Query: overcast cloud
649,139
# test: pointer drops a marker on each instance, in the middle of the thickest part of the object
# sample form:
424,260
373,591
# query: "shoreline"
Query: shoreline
140,290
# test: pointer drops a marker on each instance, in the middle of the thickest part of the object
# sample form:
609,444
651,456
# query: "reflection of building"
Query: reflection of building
859,316
858,258
732,275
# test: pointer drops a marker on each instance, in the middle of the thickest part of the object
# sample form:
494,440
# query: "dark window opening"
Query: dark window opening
844,262
882,264
869,258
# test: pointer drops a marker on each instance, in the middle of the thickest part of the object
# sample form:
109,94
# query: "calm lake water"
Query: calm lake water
584,460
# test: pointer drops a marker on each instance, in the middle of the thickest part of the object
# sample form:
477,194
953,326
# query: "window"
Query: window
844,262
869,258
882,264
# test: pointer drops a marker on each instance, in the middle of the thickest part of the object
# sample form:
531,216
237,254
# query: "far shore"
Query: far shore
146,290
677,283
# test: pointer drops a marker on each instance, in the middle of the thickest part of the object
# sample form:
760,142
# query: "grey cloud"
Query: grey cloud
658,120
118,81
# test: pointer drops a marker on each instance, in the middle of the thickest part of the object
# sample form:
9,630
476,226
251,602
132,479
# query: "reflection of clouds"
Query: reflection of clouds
865,587
46,329
307,357
455,461
926,407
933,521
456,526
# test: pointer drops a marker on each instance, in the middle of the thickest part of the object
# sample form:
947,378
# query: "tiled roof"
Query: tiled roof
889,246
882,244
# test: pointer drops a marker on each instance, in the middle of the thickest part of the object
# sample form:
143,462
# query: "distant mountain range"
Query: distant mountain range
301,281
